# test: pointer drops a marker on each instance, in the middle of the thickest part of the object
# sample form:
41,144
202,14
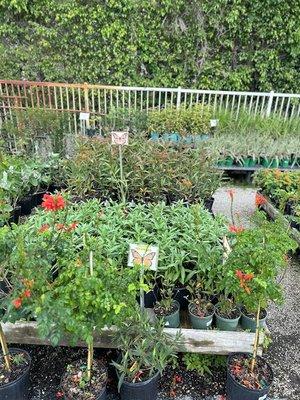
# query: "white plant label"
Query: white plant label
144,255
263,397
84,116
119,138
208,323
214,123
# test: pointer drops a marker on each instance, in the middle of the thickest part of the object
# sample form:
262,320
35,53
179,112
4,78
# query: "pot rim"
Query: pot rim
203,318
17,350
143,383
253,319
242,386
227,319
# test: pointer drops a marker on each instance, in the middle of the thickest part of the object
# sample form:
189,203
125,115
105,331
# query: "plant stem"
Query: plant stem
256,340
90,359
5,349
122,174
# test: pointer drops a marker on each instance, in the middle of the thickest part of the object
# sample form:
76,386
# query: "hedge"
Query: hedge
220,44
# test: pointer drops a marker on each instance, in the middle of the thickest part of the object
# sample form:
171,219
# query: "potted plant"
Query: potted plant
14,370
227,314
145,352
252,267
201,310
167,308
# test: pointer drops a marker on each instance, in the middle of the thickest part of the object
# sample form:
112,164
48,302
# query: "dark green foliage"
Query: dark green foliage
240,44
203,363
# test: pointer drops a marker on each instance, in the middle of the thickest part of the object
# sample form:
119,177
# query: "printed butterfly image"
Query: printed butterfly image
145,260
143,255
119,138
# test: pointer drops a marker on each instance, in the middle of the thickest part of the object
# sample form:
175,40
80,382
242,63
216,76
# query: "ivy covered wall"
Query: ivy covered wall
215,44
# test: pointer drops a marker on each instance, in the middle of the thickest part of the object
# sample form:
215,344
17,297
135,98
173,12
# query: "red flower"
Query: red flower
239,274
236,229
260,200
53,202
178,378
59,395
248,277
231,193
17,303
243,278
27,293
72,226
44,228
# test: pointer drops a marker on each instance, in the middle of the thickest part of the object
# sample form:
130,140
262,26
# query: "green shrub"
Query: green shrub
203,363
194,120
152,171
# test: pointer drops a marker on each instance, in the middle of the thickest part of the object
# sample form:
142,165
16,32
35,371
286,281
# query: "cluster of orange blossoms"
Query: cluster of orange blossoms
243,278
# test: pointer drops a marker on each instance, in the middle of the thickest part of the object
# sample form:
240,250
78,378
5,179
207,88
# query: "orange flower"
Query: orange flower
17,303
53,202
44,228
60,227
27,293
231,193
236,229
260,199
28,283
243,278
72,226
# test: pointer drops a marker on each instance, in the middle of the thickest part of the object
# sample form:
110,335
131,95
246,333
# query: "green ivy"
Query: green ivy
238,44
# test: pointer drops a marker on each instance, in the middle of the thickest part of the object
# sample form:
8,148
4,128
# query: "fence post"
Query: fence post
178,97
86,102
270,103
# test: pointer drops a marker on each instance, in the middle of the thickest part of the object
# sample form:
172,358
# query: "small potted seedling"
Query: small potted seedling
145,352
168,308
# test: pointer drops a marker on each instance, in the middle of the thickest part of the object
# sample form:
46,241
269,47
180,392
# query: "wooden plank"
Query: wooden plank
193,340
273,213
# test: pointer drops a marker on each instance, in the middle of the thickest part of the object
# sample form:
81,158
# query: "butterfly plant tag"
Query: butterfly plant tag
144,255
83,116
214,123
119,138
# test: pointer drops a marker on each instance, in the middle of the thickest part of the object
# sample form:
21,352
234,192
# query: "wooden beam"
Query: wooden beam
193,340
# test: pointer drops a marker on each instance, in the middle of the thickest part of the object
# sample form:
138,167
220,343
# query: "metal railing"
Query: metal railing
98,100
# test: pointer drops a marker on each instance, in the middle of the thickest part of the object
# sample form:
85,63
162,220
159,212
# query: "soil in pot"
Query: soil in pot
244,384
74,384
201,314
169,314
14,384
227,320
248,320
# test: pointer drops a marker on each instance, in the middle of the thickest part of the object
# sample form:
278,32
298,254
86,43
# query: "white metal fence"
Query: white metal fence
98,100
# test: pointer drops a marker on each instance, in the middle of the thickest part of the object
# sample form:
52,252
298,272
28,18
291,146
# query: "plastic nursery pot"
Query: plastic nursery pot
285,163
236,391
154,136
146,390
151,297
228,162
180,294
274,163
200,322
18,389
249,323
226,324
173,320
174,137
208,204
251,162
265,162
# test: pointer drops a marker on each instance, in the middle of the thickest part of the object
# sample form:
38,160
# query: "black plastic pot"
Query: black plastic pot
208,204
236,391
141,390
17,390
15,215
150,298
181,295
27,204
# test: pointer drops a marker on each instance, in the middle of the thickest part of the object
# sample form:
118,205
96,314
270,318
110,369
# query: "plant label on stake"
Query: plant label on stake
145,256
84,118
120,139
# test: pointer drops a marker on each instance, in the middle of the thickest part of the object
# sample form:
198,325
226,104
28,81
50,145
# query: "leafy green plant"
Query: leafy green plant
146,349
203,363
193,120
